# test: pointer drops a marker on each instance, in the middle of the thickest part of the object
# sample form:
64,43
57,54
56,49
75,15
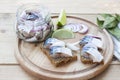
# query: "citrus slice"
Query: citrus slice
62,18
63,34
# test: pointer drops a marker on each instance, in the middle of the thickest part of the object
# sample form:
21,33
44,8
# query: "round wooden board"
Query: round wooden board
34,61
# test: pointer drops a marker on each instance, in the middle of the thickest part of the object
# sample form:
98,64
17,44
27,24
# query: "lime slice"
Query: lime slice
62,18
63,34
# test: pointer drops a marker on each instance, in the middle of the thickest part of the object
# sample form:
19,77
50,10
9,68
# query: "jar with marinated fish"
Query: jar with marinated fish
33,23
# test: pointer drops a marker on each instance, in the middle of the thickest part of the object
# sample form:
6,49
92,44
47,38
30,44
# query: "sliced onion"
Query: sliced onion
76,27
84,29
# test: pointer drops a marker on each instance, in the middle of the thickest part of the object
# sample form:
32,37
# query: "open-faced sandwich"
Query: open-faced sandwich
57,53
91,47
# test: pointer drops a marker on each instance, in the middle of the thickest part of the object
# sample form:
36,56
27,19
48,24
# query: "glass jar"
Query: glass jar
34,23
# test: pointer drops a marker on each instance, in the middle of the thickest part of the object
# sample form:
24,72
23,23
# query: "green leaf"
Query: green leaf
115,32
100,23
110,22
117,17
106,15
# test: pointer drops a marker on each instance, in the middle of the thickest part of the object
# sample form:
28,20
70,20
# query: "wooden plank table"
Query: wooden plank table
87,9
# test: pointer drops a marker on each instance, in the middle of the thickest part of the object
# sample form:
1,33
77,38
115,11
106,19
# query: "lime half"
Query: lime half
63,34
62,18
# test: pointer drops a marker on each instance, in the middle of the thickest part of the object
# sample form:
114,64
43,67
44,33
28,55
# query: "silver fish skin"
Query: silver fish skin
51,42
90,51
57,52
92,39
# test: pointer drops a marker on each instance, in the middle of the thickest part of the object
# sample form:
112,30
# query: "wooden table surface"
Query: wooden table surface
87,9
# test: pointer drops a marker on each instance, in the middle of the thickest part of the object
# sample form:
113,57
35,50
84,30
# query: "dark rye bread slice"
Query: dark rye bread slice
89,61
58,61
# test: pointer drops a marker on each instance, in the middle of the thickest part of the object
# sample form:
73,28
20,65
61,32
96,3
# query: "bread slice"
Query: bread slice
60,60
89,61
85,56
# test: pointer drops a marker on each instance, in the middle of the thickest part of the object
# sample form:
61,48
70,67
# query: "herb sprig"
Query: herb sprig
110,23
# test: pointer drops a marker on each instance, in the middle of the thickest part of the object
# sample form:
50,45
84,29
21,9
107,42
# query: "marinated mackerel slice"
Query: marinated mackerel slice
57,53
90,54
51,42
97,41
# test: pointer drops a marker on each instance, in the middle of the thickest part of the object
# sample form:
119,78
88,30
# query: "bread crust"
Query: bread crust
89,61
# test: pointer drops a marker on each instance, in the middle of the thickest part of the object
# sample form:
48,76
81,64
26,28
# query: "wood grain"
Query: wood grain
14,72
33,59
71,6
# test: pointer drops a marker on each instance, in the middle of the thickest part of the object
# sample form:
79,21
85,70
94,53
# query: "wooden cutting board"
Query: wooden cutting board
34,61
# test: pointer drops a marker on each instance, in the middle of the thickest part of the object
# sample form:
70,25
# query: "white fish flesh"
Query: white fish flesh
92,39
60,52
51,42
94,54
